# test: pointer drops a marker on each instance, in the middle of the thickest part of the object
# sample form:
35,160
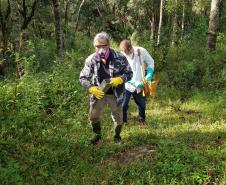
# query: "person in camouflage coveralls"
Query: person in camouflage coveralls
109,65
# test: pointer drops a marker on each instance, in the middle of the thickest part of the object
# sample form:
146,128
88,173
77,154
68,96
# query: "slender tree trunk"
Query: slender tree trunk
67,9
174,35
58,29
98,9
160,22
78,14
174,23
183,18
213,24
152,26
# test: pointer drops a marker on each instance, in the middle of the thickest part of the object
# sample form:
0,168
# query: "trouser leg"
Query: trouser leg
140,100
116,112
125,105
96,110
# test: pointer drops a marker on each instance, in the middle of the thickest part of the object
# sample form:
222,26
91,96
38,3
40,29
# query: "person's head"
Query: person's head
101,43
126,47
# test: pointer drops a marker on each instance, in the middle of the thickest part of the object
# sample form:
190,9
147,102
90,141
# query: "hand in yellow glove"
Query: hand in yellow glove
96,91
116,81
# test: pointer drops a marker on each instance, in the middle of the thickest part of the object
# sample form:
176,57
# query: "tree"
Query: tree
183,17
66,14
78,14
160,22
24,12
4,18
213,24
58,29
152,22
174,24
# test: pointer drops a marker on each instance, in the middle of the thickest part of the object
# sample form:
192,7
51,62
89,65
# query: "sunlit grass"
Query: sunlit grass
53,148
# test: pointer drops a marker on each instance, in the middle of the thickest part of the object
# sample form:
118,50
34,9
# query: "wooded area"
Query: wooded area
43,108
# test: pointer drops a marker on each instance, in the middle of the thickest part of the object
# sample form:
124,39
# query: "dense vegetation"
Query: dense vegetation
44,125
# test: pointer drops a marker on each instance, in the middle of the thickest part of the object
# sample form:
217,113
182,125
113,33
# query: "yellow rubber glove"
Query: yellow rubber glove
96,91
116,81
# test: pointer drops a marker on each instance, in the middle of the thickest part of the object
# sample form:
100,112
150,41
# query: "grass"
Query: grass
189,142
44,129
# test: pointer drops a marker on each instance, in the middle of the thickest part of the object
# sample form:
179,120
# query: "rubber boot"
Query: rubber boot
97,131
117,137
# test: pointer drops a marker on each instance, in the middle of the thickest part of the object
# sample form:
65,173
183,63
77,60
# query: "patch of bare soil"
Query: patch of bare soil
132,154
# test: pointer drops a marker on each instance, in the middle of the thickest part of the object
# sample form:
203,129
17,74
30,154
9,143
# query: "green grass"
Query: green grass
53,149
44,128
44,133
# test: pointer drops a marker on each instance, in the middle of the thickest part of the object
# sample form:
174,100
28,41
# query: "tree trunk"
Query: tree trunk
4,29
174,23
78,14
160,22
213,24
183,18
98,8
152,21
67,9
24,13
58,29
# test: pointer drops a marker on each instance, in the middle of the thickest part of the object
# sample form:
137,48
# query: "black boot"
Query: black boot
97,136
142,122
117,137
95,140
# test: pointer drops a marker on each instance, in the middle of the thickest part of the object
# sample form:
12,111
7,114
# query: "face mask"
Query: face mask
103,54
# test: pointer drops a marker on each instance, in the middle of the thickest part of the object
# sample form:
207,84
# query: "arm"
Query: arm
150,64
85,77
86,74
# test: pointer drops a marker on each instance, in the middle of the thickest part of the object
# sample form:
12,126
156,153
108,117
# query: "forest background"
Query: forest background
44,125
